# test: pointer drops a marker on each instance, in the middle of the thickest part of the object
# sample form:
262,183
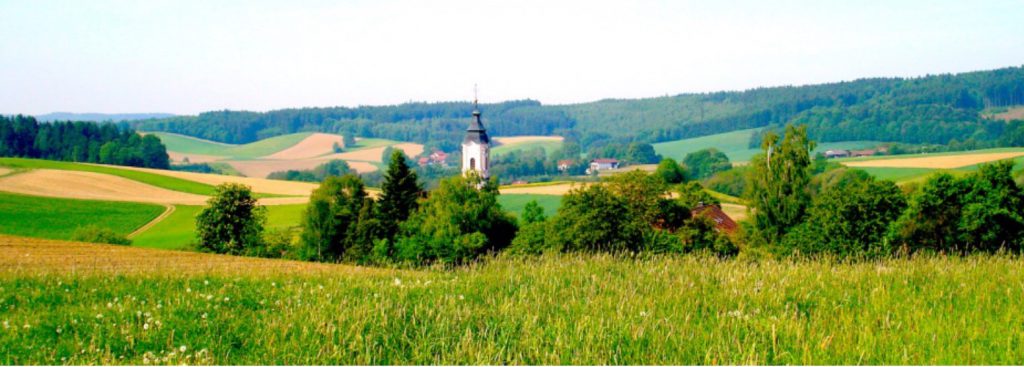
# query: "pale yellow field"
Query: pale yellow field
556,189
314,145
375,154
936,162
177,157
4,171
260,185
1016,113
735,211
98,186
39,256
264,167
91,185
512,140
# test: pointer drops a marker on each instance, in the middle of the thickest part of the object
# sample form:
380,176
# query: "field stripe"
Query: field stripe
169,209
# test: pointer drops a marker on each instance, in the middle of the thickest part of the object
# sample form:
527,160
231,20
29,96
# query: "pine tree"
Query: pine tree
400,190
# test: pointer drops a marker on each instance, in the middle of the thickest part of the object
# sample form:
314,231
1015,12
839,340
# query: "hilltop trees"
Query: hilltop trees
670,171
460,221
232,222
983,211
23,136
399,194
706,162
777,184
339,222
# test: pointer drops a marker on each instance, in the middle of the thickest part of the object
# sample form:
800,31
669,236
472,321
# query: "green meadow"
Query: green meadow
56,218
735,144
548,146
190,145
178,231
564,309
516,202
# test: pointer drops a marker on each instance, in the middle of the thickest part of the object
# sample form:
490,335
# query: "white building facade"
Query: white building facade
476,148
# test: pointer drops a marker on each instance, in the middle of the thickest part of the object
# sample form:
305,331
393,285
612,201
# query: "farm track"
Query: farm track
168,210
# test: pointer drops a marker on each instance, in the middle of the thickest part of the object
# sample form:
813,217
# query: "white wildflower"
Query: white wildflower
188,290
209,297
145,326
204,316
99,316
398,282
227,299
461,297
182,349
206,282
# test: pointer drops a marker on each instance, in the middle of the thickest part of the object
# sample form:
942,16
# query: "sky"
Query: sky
186,57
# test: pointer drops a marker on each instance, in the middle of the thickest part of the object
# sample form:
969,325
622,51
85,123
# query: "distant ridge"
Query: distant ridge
100,117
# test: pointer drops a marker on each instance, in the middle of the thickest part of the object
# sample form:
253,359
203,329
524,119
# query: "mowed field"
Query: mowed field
508,144
72,303
918,167
299,151
735,144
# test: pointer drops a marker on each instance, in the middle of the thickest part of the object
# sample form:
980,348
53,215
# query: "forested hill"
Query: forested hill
99,117
931,109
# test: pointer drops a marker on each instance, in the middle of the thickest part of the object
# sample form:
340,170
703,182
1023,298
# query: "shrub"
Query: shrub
706,162
670,171
460,221
97,234
848,218
232,221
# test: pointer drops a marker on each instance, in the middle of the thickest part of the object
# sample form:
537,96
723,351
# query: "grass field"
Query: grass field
68,303
190,145
54,218
735,145
548,146
166,182
179,230
516,202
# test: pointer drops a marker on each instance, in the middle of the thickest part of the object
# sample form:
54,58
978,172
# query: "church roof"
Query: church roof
476,132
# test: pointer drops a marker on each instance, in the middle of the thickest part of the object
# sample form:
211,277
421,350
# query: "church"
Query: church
476,147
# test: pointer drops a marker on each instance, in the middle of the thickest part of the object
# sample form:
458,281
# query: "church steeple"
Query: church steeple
476,147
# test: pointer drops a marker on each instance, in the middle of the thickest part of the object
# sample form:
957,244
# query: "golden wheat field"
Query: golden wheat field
936,162
315,145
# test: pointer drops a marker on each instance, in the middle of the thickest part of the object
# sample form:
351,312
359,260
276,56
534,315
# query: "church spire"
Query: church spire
476,147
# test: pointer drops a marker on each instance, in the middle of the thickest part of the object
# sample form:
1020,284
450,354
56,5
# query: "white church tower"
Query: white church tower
476,147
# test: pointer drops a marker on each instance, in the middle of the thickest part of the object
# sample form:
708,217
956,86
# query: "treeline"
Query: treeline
23,136
437,125
935,109
799,206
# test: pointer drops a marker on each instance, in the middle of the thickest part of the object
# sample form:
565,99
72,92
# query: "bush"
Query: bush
232,221
732,182
849,217
460,221
97,234
706,162
339,221
670,171
983,211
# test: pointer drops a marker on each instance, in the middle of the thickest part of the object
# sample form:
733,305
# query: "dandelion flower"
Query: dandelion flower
145,326
182,349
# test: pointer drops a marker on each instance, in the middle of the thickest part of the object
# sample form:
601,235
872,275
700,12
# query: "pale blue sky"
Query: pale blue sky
192,56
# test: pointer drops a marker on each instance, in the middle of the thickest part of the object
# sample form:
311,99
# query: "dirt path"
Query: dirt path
168,210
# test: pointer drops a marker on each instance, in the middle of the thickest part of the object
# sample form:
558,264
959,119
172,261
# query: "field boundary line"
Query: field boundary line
168,210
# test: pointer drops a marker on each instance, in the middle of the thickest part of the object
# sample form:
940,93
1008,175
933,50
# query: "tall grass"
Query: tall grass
586,309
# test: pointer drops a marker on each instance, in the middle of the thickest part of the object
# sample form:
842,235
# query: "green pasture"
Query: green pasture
179,230
516,202
550,310
548,146
735,144
55,218
190,145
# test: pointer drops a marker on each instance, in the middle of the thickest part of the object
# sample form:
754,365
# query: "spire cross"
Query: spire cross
474,97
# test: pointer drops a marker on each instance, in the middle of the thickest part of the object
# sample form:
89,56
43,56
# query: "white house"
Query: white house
602,164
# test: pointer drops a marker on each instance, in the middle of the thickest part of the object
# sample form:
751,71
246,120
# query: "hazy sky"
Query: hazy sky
193,56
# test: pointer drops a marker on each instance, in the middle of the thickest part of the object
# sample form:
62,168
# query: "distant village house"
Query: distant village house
602,164
722,221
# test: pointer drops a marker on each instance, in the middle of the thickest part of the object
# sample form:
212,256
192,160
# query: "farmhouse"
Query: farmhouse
722,221
564,164
839,153
602,164
437,158
863,153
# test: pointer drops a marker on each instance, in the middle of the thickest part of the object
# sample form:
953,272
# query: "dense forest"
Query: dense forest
935,109
23,136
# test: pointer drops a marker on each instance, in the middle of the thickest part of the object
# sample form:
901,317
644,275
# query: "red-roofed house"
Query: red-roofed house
722,221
